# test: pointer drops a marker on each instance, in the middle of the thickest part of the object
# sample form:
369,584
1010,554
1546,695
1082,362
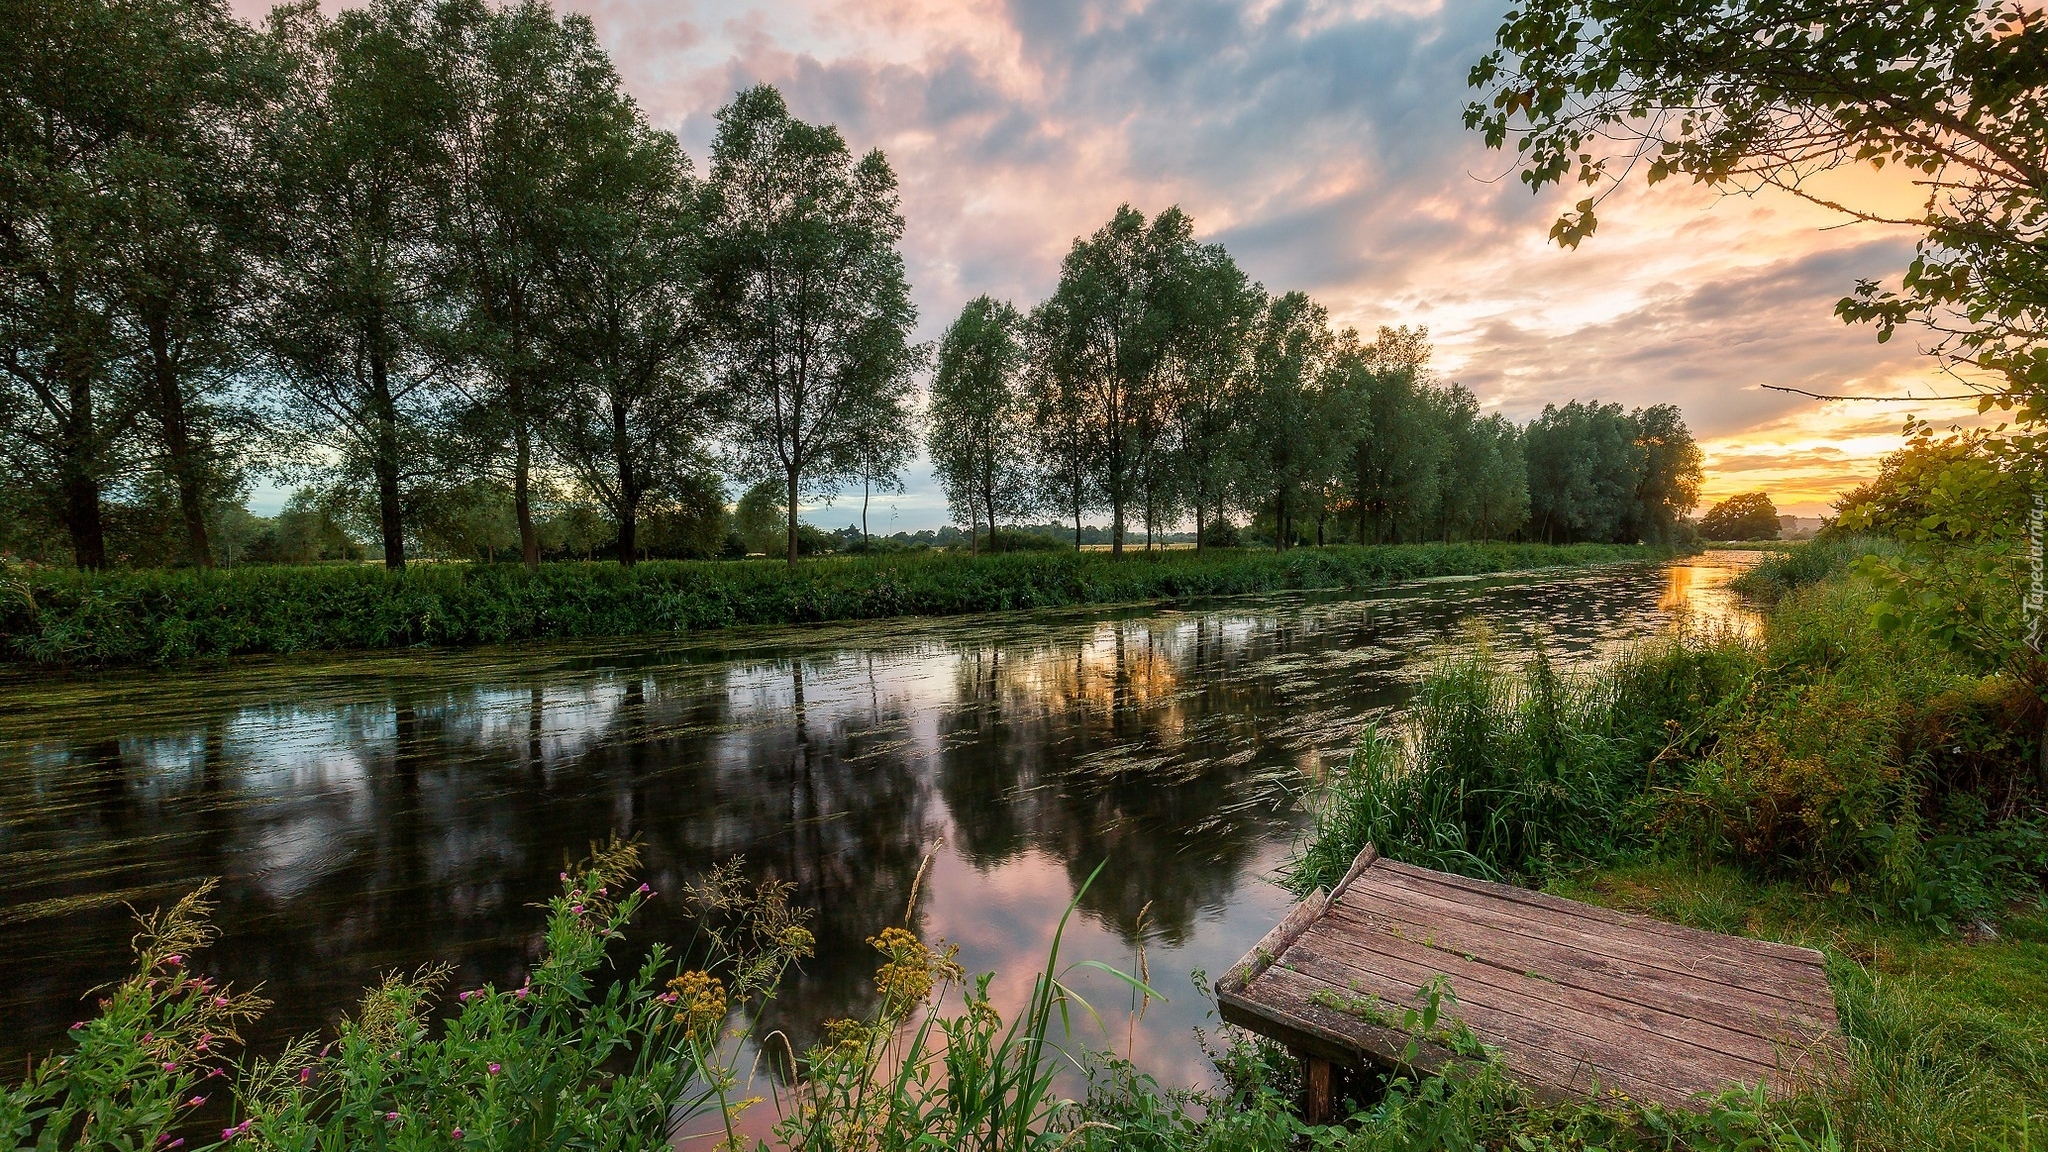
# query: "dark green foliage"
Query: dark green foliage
153,617
1743,516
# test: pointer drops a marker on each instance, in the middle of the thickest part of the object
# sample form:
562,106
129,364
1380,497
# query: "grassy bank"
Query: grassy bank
1869,792
62,617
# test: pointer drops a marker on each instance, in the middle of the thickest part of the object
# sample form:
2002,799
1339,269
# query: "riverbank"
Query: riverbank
1868,791
55,617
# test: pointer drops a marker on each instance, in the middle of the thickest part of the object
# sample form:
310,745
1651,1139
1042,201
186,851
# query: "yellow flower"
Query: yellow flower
907,976
700,1001
797,940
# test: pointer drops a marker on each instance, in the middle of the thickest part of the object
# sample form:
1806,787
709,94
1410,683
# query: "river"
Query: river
377,812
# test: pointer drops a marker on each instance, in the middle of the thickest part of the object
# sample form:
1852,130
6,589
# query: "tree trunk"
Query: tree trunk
522,483
389,515
867,546
1116,526
170,403
82,516
792,516
1280,540
1198,527
629,489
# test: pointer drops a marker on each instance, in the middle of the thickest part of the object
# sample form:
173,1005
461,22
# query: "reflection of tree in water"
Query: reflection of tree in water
1126,746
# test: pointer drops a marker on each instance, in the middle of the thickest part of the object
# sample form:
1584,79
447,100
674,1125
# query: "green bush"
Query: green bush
65,617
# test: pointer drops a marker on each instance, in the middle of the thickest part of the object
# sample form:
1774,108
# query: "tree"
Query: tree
1216,310
1496,473
1669,484
358,161
536,94
1063,468
1745,516
1583,471
1105,334
1297,421
1766,93
74,105
978,415
1393,473
806,294
632,406
180,196
883,444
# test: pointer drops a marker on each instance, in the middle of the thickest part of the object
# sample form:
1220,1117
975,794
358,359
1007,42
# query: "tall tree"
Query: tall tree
181,195
632,407
1298,421
1217,310
1061,447
978,414
1107,328
1584,467
533,91
79,97
1668,486
358,161
1393,473
806,294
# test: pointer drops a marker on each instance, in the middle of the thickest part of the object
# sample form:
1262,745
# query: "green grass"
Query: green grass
69,618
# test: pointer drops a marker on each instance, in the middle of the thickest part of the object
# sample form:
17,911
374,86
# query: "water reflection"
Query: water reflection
378,813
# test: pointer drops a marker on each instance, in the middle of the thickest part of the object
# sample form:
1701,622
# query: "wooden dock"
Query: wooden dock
1576,999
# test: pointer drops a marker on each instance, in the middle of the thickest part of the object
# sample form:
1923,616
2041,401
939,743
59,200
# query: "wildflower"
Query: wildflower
391,1116
849,1035
220,1001
494,1069
305,1075
643,890
907,976
797,940
78,1025
521,991
173,961
455,1134
577,909
170,1065
701,998
195,1102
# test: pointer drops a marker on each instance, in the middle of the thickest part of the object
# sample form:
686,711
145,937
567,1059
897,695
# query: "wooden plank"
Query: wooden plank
1315,1081
1274,942
1646,985
1693,937
1760,984
1365,858
1681,1061
1728,953
1545,994
1550,1073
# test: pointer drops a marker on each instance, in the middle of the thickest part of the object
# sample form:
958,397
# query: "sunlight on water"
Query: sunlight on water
378,812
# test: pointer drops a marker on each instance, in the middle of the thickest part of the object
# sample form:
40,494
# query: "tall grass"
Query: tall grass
64,617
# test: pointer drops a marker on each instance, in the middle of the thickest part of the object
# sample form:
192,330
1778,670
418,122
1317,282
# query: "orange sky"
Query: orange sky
1320,141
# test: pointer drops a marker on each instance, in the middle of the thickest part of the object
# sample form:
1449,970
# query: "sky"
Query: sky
1320,141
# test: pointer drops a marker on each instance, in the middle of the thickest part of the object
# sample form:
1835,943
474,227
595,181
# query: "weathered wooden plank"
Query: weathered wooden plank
1644,984
1544,993
1365,858
1550,1072
1275,942
1693,937
1579,1029
1796,987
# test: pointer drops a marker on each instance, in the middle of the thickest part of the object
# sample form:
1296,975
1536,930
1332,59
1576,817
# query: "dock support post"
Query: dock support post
1315,1083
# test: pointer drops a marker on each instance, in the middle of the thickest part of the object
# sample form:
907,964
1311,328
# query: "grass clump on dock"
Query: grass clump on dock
69,618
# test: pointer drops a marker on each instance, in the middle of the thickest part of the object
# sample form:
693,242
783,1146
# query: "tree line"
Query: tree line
1159,384
426,258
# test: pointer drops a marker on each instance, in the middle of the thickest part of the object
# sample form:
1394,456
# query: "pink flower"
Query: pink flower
577,909
391,1116
170,1065
522,991
643,890
174,961
455,1134
214,1072
305,1075
494,1069
195,1102
77,1026
220,1001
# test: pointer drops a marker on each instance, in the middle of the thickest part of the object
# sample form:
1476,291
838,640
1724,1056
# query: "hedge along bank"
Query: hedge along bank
60,617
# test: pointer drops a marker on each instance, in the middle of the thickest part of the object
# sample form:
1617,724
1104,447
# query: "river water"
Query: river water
379,812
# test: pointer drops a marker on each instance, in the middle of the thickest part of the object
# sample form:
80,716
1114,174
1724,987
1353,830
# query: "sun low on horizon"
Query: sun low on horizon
1321,143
